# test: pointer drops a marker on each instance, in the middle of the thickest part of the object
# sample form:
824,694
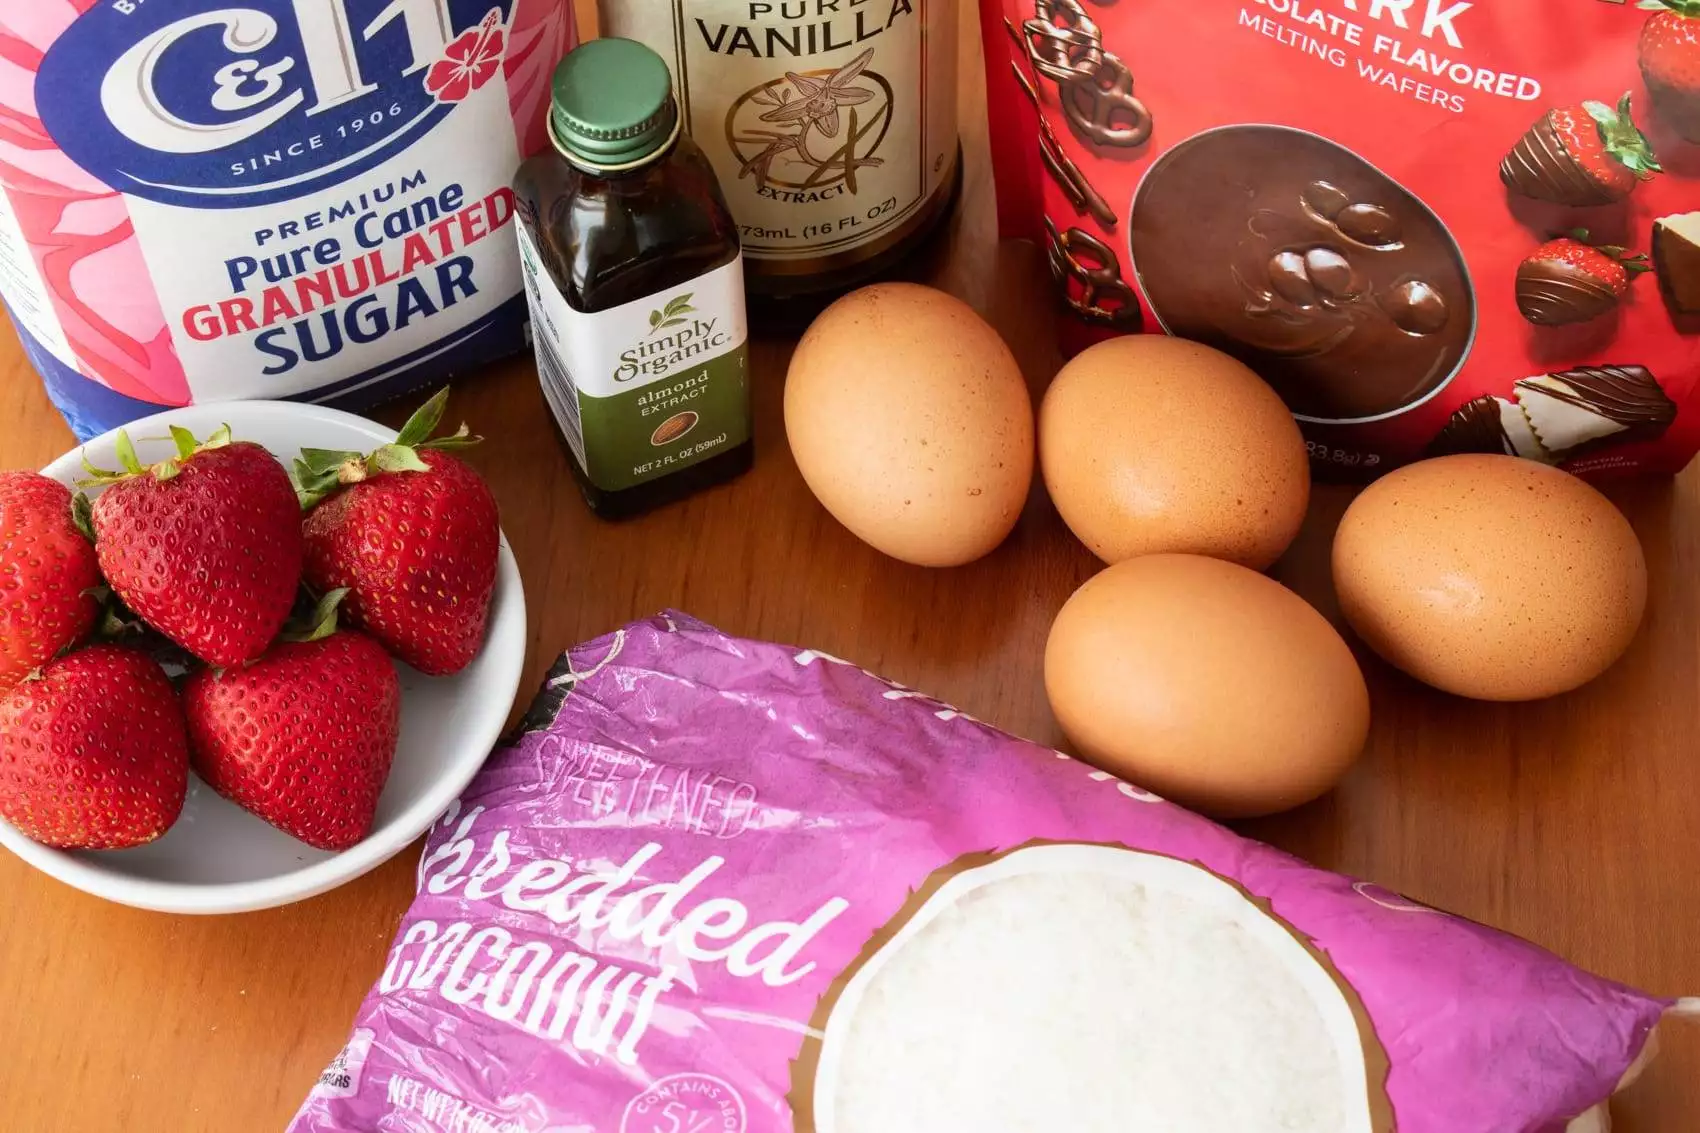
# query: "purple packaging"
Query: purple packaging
716,885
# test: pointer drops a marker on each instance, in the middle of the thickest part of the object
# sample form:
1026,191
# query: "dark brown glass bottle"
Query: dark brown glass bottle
635,277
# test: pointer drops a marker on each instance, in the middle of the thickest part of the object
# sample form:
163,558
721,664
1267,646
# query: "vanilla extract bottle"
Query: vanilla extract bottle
832,125
634,274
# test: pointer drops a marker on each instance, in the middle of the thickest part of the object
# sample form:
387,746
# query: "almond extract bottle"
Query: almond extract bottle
635,280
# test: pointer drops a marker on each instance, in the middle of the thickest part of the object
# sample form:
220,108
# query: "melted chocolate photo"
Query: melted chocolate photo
1303,260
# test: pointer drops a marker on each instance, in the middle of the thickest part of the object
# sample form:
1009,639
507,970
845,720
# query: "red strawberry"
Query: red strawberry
47,570
1588,154
1569,280
1670,62
303,737
413,537
205,546
93,753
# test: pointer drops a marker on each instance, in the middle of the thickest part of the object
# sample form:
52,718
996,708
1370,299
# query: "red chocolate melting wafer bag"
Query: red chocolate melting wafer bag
1434,226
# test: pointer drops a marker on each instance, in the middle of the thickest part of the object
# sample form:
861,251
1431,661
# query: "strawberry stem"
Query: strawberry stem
1622,139
125,449
82,515
320,623
127,454
185,441
318,473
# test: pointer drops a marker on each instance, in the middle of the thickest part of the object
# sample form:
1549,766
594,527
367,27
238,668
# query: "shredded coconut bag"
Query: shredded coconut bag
718,886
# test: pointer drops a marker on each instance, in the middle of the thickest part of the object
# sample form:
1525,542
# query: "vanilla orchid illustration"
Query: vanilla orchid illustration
819,99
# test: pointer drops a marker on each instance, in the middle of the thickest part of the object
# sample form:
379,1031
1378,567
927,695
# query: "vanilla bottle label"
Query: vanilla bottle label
647,388
831,123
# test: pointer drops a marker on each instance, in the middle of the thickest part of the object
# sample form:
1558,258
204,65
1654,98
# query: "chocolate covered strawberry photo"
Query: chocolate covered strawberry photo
1569,280
1588,154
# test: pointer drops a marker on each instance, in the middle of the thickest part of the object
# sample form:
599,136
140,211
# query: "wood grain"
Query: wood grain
1571,822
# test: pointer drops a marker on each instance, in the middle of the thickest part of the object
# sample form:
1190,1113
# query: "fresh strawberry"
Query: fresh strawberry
1589,154
93,754
205,547
1670,62
1569,280
411,533
303,737
47,573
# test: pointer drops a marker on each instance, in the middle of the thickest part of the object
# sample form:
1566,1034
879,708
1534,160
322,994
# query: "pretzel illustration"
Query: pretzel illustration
1091,280
1062,40
1103,107
1081,194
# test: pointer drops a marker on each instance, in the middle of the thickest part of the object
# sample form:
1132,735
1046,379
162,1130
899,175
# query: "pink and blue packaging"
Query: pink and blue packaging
295,199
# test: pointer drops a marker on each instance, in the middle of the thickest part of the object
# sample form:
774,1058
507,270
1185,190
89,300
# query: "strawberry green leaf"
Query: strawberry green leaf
82,515
220,439
321,460
127,453
424,422
117,621
398,458
113,626
319,624
1622,139
97,477
311,486
460,438
184,440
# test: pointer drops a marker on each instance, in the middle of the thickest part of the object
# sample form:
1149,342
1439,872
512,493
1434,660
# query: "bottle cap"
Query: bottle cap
613,106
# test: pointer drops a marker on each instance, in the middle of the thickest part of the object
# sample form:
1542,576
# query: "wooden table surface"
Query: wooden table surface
1574,822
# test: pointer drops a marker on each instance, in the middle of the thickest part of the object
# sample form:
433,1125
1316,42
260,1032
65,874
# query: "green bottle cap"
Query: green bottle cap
613,105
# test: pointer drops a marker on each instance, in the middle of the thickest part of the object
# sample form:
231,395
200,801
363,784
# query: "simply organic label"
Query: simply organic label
829,122
648,388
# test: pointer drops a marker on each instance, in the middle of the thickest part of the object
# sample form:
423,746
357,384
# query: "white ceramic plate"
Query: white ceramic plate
220,859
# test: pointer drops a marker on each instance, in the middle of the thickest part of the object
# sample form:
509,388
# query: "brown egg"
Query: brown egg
910,421
1490,577
1206,683
1152,444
